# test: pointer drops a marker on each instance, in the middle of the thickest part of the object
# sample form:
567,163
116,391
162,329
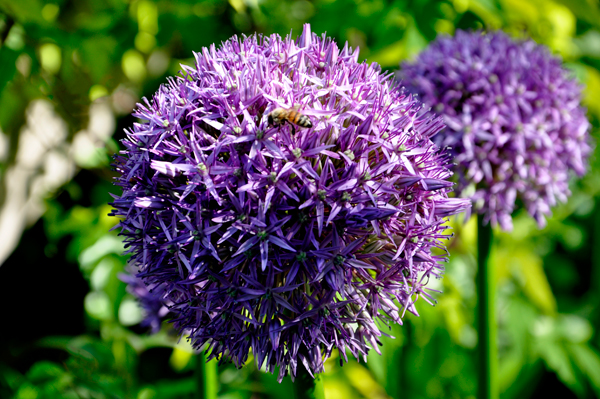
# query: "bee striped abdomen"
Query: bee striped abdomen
303,120
280,115
293,115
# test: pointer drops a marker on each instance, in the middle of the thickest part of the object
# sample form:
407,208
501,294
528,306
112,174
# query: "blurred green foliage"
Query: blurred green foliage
78,53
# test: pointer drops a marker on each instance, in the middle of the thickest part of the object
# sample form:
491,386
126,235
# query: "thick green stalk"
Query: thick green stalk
206,378
486,291
595,287
305,387
403,372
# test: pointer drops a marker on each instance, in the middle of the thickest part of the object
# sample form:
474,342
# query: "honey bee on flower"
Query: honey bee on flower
293,116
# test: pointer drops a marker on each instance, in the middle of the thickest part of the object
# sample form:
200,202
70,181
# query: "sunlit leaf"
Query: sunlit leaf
529,269
181,356
558,360
509,369
24,10
588,361
586,10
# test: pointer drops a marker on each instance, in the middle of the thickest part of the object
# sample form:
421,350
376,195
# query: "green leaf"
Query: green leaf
574,329
9,377
43,371
488,11
8,59
557,359
528,267
509,369
107,244
12,112
175,388
588,361
27,391
100,53
408,46
584,9
24,10
592,87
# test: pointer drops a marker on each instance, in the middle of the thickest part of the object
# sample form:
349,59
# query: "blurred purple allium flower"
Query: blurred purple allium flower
287,240
150,299
514,120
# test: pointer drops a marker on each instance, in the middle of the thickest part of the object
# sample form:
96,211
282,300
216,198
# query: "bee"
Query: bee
279,116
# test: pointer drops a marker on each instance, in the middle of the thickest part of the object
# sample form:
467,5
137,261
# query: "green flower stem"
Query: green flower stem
206,378
305,387
486,332
403,377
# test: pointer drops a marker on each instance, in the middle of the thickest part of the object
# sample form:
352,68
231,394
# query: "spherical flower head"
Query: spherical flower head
150,299
514,120
287,197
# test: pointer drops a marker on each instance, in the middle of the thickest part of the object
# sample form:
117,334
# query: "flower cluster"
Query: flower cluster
514,120
150,299
288,234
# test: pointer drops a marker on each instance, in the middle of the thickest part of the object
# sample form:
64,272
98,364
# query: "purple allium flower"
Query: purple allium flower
513,116
290,241
150,299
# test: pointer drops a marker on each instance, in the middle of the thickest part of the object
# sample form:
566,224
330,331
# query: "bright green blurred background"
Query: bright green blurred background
71,72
